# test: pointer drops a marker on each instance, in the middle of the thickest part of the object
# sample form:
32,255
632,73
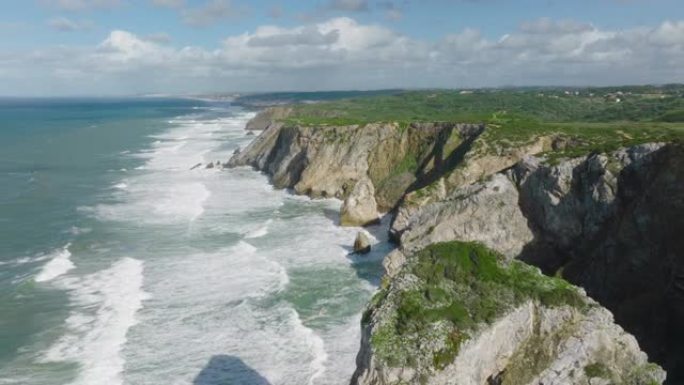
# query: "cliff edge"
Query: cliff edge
524,256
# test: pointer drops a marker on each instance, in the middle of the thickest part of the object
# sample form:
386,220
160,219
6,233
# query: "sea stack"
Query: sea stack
362,243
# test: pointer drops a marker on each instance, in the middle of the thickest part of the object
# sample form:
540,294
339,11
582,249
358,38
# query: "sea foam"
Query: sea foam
105,305
59,264
259,232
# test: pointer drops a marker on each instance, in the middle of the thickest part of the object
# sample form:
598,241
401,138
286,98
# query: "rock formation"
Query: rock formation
362,244
608,222
267,117
360,208
332,161
455,315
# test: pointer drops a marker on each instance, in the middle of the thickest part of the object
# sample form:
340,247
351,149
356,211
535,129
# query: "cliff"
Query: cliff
605,222
369,166
456,314
266,117
475,215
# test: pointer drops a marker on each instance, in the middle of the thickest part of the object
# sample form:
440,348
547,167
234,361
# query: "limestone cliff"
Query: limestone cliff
606,222
267,117
350,162
457,314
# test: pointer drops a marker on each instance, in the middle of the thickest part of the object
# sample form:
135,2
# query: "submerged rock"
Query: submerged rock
362,244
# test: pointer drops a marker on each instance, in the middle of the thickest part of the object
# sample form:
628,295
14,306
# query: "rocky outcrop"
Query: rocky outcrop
480,160
611,223
336,161
360,208
455,316
268,117
607,222
485,212
362,244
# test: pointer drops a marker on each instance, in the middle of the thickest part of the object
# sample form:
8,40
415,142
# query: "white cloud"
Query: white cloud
303,36
341,53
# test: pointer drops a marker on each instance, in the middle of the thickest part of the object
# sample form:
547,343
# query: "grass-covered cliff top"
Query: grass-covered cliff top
601,118
456,287
647,104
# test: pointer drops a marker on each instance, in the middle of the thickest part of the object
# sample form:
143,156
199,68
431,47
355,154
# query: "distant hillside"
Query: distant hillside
278,98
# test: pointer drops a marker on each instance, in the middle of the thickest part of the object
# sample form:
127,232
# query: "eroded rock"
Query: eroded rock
362,243
454,314
360,208
485,212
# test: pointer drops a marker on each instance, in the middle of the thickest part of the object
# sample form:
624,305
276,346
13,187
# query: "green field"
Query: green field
599,119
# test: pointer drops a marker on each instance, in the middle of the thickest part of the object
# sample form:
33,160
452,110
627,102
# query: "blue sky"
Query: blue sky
61,47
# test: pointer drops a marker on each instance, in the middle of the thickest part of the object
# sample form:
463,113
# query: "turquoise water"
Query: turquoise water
121,265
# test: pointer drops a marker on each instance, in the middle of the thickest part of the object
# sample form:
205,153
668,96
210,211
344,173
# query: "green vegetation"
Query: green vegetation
599,119
279,98
542,105
606,137
597,370
459,287
645,374
408,164
672,116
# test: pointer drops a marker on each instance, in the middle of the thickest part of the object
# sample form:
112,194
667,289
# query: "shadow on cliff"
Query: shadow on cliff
228,370
442,164
632,264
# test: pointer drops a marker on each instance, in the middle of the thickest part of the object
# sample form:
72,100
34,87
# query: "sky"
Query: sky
128,47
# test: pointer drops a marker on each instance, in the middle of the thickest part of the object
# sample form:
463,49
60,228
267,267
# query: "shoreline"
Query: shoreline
419,221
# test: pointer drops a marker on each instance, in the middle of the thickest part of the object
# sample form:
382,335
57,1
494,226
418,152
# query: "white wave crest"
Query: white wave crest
59,264
106,303
316,346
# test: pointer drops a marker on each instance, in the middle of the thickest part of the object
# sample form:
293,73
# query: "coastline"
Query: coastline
421,220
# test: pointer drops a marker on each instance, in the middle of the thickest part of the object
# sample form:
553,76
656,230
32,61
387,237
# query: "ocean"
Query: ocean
120,264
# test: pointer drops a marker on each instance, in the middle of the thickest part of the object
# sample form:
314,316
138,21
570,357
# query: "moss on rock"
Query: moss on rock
457,287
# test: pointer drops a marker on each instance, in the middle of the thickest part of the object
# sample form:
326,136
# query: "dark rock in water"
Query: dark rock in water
250,133
210,165
195,166
237,151
362,243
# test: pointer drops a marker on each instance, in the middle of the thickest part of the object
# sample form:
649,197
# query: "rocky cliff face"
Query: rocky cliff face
360,164
455,315
267,117
612,224
605,222
608,223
